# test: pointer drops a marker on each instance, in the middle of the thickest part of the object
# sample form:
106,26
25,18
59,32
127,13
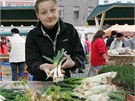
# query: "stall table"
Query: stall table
119,60
37,86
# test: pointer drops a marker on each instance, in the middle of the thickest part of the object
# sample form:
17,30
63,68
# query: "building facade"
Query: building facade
72,11
102,2
76,11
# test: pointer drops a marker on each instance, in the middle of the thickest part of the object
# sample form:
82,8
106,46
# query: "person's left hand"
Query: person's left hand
69,63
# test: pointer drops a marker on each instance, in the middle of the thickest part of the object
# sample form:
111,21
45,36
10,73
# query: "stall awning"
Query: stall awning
17,16
128,30
120,13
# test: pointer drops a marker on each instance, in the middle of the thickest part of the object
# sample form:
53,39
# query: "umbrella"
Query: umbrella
126,29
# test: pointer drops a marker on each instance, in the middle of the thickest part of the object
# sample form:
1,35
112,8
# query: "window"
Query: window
76,12
105,1
90,9
61,11
26,4
13,4
129,2
118,1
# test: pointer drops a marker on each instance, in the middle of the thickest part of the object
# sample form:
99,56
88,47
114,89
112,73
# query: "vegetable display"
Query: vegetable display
57,60
97,88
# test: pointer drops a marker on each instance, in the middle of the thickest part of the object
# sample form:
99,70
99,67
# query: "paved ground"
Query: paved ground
85,74
80,75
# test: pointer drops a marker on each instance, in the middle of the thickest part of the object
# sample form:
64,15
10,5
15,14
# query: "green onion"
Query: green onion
57,60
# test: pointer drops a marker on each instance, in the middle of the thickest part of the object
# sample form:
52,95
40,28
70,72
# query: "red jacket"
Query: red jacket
98,48
3,48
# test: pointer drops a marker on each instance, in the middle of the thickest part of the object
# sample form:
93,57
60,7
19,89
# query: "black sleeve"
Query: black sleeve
33,57
77,53
108,42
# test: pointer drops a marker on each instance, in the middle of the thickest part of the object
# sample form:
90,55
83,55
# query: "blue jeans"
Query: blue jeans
94,69
17,66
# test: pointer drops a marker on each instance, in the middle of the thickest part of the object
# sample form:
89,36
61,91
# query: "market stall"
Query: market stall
119,60
120,57
97,88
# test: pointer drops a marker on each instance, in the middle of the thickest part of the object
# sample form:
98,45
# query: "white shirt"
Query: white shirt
17,53
116,44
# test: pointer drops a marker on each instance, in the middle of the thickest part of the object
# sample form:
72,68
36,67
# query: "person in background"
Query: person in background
117,43
99,52
130,43
88,44
4,48
124,41
51,35
16,46
80,70
110,39
88,48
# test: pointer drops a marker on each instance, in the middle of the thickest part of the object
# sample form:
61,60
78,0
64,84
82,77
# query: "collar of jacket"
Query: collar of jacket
62,27
45,34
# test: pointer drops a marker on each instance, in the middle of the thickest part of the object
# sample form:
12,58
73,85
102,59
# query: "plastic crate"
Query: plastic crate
5,63
0,76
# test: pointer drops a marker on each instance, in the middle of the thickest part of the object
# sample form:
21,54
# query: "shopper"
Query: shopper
50,35
99,54
16,47
88,44
3,45
117,43
131,42
110,39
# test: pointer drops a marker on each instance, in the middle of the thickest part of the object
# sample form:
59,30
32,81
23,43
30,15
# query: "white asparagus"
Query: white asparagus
55,76
97,97
95,80
95,90
94,97
79,94
60,75
101,78
85,86
2,98
108,74
104,87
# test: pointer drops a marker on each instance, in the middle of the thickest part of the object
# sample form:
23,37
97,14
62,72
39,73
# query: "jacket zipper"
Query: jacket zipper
55,40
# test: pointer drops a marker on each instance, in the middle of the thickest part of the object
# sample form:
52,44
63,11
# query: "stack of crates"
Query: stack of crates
0,73
6,71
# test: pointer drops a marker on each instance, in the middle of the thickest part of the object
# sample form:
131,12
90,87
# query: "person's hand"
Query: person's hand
69,63
47,68
106,61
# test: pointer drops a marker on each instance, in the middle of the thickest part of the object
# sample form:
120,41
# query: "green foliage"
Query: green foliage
125,74
23,97
14,95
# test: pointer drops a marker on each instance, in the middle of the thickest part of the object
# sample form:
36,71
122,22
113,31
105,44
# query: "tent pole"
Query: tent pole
96,22
102,20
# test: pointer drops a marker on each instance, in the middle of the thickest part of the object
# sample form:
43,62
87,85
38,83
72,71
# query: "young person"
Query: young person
16,46
51,35
117,43
110,39
99,53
